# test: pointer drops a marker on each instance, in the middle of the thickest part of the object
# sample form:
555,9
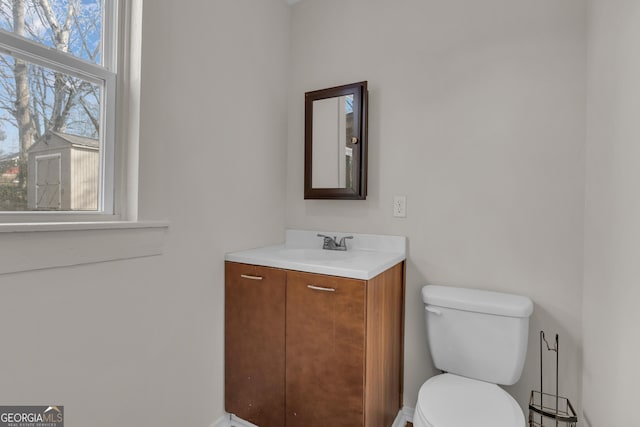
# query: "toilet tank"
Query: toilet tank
477,334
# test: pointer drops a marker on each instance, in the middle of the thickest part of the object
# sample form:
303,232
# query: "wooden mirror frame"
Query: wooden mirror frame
359,159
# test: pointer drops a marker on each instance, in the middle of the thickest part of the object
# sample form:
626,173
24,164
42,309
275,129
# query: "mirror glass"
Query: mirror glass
332,142
335,142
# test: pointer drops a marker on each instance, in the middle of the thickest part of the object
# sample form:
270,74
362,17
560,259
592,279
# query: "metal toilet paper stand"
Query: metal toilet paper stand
552,409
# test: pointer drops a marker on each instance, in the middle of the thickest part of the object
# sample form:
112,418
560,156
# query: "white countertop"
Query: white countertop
367,255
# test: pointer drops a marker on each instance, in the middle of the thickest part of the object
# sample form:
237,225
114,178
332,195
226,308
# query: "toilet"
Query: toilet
479,340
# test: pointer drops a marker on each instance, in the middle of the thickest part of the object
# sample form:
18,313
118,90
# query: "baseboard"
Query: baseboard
229,420
405,415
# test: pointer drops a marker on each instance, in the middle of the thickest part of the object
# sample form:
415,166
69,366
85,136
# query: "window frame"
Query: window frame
108,76
78,238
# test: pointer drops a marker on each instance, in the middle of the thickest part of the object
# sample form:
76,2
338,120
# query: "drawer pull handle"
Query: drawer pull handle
247,276
320,288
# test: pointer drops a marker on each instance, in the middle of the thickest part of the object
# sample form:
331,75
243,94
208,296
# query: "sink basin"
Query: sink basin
313,255
368,254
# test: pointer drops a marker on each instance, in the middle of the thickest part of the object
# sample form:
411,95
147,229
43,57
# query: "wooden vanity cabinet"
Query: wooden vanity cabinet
338,349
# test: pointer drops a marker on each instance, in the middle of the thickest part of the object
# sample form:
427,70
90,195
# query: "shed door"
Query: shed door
48,195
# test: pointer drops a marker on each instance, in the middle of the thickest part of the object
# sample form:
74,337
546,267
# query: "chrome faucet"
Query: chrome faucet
332,244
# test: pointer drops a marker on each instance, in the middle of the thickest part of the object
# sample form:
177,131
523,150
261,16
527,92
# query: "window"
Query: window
60,168
57,106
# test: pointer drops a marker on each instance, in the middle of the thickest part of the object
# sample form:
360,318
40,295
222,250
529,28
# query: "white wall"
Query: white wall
140,342
477,115
612,221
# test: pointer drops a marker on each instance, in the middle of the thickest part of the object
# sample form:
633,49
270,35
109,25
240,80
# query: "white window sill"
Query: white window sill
78,226
35,246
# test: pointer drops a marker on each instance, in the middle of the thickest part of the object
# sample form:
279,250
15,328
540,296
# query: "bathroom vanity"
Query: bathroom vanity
315,337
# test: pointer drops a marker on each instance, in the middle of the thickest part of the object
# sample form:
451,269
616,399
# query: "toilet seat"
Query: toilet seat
449,400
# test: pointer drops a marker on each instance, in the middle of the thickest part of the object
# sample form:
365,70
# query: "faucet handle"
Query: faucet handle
342,240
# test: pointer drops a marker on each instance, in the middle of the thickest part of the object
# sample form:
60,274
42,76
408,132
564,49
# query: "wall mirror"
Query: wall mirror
335,161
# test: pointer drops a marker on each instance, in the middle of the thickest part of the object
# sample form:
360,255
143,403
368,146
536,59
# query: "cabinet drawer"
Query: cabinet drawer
254,343
325,350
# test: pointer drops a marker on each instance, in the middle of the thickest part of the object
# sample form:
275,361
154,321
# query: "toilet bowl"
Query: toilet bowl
479,339
448,400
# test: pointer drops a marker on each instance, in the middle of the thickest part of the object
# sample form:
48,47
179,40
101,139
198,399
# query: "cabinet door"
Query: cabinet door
254,343
325,351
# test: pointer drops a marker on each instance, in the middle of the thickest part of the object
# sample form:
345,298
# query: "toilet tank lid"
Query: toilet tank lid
476,300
